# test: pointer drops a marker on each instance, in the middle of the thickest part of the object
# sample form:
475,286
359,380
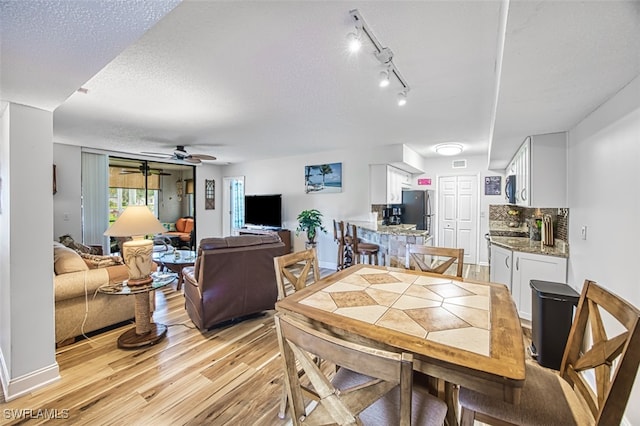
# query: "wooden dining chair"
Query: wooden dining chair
549,397
293,269
372,386
417,253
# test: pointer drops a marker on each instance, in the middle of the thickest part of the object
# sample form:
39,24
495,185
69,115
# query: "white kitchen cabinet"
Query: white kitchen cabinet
527,267
540,167
386,183
501,264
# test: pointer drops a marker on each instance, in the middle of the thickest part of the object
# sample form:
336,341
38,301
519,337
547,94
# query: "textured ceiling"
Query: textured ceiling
249,80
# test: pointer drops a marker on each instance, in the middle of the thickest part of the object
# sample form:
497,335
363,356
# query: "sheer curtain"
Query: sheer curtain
95,199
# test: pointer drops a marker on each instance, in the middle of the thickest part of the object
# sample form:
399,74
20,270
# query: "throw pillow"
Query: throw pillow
66,260
68,241
96,261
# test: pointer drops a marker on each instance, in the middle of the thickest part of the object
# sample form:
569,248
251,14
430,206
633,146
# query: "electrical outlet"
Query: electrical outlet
583,232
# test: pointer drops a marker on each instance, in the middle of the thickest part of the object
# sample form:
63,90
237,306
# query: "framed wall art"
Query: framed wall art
209,194
492,185
323,178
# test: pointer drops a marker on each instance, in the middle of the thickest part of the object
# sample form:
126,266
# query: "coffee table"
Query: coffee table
175,261
145,332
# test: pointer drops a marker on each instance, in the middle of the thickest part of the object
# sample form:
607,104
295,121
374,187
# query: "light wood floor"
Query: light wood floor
231,375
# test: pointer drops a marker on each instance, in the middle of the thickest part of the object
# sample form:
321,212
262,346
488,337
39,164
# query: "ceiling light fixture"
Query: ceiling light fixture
383,54
355,40
384,78
448,148
402,98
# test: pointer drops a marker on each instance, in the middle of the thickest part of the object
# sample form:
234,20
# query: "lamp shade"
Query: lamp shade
135,220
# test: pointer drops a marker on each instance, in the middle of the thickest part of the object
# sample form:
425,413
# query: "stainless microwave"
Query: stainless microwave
510,189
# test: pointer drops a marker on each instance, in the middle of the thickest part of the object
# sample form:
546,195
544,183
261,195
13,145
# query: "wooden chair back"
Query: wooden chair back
305,261
338,231
416,253
614,360
385,369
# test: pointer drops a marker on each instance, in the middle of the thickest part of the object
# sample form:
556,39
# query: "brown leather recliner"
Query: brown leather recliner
232,277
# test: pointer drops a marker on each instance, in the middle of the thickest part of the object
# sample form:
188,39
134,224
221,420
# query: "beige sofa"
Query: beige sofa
76,282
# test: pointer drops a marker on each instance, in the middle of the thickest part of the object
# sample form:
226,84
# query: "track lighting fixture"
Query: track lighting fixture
355,40
384,78
383,54
402,98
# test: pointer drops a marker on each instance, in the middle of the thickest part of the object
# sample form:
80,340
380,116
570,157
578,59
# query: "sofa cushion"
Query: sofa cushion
238,241
66,260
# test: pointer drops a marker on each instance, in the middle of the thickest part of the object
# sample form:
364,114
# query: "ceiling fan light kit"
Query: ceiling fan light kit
383,54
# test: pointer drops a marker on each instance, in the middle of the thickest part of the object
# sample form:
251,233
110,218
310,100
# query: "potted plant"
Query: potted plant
310,221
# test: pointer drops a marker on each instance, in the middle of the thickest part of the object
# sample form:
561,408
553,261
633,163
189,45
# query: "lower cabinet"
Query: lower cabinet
501,262
515,269
527,267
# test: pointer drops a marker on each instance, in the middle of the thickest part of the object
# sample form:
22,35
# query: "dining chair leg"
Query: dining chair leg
282,411
451,399
467,417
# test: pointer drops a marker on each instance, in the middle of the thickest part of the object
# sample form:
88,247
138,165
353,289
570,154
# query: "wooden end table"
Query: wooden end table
175,261
145,332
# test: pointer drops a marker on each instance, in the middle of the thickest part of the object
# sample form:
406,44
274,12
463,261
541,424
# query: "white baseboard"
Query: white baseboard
16,387
327,265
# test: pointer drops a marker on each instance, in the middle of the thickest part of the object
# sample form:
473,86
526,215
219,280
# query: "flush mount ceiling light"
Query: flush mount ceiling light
383,54
448,149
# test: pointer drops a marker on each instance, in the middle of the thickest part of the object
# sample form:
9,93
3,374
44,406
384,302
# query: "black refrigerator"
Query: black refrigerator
416,208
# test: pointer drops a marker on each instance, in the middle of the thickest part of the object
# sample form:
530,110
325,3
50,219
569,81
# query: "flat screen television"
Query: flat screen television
263,210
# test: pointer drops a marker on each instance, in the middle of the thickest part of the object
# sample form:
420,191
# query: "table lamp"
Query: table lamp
136,222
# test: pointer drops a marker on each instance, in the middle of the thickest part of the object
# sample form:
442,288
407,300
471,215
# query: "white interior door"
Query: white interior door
458,211
447,213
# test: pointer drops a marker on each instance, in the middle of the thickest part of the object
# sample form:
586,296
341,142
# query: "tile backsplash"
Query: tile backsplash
560,216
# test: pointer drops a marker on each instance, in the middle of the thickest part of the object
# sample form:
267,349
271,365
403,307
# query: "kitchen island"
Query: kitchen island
392,239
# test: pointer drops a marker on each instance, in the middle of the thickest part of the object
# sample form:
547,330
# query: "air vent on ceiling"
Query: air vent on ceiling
459,164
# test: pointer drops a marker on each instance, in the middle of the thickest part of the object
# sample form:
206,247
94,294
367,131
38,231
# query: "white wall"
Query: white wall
476,165
27,346
604,194
67,211
208,222
286,176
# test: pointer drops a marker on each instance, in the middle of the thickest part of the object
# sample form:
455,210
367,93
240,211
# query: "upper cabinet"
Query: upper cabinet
540,168
386,183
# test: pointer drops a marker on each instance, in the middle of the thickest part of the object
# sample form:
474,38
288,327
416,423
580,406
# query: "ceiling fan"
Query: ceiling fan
182,155
144,170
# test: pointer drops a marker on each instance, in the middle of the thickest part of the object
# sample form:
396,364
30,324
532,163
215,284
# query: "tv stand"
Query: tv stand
284,234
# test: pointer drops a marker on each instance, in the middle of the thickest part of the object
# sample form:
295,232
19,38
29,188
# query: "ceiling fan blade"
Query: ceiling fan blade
157,154
203,157
192,160
129,172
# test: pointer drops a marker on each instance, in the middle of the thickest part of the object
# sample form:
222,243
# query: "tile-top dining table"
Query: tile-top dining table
461,331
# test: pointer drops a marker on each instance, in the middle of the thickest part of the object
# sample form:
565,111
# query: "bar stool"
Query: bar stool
362,250
345,251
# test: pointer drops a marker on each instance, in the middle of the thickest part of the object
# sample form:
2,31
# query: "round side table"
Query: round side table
145,332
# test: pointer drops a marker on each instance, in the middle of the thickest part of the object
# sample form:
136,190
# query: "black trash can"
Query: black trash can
551,317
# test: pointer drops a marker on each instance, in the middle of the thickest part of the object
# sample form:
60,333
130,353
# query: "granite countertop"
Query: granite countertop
527,245
501,229
403,229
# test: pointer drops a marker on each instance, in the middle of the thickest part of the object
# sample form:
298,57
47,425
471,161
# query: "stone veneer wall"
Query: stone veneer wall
560,216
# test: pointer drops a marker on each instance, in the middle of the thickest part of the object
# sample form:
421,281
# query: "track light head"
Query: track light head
384,78
402,98
355,41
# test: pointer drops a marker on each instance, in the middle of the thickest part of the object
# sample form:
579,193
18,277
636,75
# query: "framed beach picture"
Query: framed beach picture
323,178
